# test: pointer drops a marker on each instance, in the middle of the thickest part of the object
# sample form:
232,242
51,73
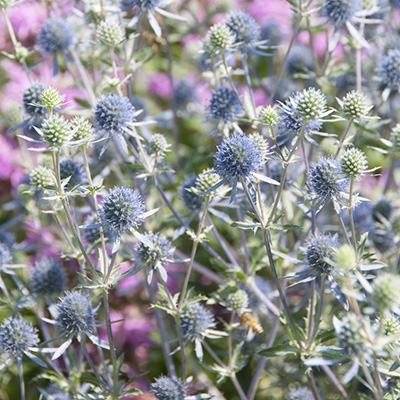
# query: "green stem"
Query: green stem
106,305
343,138
21,378
353,231
193,254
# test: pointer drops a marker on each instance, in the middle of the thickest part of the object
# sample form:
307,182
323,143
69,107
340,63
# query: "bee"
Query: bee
249,321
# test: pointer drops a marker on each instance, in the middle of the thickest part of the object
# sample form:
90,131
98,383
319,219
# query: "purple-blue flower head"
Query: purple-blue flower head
70,169
31,97
195,320
55,36
123,209
389,70
340,11
113,113
47,279
326,179
243,26
237,157
75,314
224,105
165,388
142,5
319,248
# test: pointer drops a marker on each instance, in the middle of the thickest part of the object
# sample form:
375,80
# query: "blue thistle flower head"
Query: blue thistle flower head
301,394
243,26
389,70
191,200
92,233
142,5
113,113
123,209
55,36
32,96
5,254
319,248
184,93
224,105
300,60
272,32
17,336
47,279
340,11
195,321
326,179
161,253
71,169
238,157
165,388
75,314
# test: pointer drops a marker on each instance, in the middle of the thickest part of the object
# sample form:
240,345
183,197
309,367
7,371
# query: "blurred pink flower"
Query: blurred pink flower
159,85
10,156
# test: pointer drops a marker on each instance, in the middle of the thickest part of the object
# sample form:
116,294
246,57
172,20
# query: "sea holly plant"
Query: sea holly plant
199,200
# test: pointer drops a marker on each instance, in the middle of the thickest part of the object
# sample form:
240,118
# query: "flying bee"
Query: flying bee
250,322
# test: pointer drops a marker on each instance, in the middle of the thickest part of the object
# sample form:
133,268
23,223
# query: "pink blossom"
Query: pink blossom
160,85
10,157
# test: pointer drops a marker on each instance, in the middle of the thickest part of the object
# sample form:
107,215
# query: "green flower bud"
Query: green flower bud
386,295
204,182
51,99
220,37
56,131
311,104
269,116
110,34
346,259
354,105
395,137
353,162
238,301
41,177
158,145
82,130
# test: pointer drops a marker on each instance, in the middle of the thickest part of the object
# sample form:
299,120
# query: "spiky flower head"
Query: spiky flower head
269,116
5,254
346,259
389,70
243,27
142,5
204,182
224,105
319,248
238,301
220,37
311,104
17,336
385,292
75,314
326,179
51,98
158,145
110,33
41,177
390,324
190,198
113,113
369,4
195,320
341,11
237,157
91,229
47,279
184,93
354,105
32,100
161,253
292,121
301,394
55,36
383,209
56,131
300,60
4,4
83,130
395,137
349,332
123,209
70,169
261,143
353,162
165,388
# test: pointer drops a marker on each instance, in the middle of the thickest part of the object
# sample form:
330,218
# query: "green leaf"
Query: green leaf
323,337
279,350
